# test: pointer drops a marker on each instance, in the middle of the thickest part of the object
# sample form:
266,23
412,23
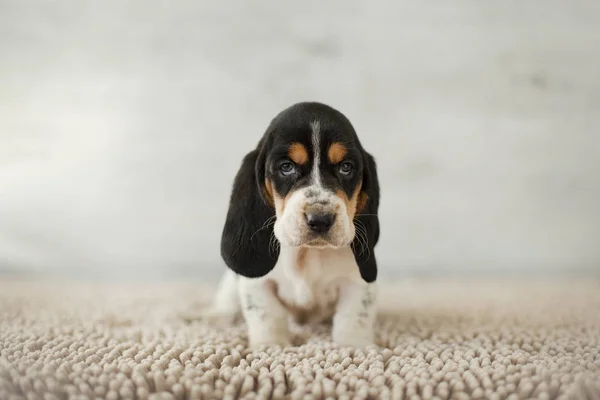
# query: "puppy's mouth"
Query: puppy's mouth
311,241
308,231
319,243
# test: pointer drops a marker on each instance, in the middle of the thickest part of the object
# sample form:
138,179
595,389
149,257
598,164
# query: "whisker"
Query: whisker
273,244
266,224
363,238
365,246
360,236
359,228
361,225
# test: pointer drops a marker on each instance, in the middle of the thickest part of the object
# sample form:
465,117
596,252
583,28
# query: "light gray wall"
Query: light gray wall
122,124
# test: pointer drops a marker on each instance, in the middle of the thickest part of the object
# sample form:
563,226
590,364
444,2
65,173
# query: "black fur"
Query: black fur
247,240
369,221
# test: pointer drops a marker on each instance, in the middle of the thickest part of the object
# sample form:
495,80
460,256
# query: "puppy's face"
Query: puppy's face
313,179
309,174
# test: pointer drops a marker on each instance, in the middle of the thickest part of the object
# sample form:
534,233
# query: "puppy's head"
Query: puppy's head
309,183
314,177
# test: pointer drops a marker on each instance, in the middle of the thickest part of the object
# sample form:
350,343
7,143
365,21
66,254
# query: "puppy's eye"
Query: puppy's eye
287,168
346,168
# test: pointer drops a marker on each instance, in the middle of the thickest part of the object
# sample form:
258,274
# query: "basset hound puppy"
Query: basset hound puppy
300,231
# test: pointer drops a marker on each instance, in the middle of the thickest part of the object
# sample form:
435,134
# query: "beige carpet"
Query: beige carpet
441,340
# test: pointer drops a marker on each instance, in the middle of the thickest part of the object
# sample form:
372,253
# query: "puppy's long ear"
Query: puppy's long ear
246,244
366,221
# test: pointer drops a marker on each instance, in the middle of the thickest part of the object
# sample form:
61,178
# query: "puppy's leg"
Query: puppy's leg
354,320
266,317
225,306
227,299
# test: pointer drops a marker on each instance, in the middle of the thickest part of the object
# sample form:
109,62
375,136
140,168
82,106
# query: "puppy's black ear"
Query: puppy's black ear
366,221
246,242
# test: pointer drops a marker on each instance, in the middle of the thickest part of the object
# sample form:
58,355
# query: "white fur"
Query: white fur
266,318
316,142
226,304
328,285
290,227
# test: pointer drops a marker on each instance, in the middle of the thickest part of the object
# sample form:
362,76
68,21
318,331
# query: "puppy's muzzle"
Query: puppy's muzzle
319,222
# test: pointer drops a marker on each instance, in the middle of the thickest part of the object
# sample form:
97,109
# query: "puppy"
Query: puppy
300,231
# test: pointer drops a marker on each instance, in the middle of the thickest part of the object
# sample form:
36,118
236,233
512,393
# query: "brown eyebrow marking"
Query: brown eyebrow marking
298,153
337,152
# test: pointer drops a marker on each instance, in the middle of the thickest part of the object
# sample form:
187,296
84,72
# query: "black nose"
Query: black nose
319,223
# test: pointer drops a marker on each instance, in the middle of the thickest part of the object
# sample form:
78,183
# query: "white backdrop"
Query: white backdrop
122,124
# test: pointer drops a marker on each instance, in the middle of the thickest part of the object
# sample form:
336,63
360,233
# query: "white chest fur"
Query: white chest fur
311,285
307,280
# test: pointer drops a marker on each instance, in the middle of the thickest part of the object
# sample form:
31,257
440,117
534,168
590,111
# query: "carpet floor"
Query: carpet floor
439,340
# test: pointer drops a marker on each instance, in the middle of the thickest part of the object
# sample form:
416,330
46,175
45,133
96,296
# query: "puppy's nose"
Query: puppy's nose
319,222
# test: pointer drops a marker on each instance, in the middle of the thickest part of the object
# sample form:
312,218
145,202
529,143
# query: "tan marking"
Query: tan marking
337,152
298,153
279,205
312,314
271,286
362,202
280,202
268,190
274,199
353,204
300,314
301,261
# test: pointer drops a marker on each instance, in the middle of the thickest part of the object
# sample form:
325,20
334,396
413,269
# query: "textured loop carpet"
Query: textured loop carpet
440,340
